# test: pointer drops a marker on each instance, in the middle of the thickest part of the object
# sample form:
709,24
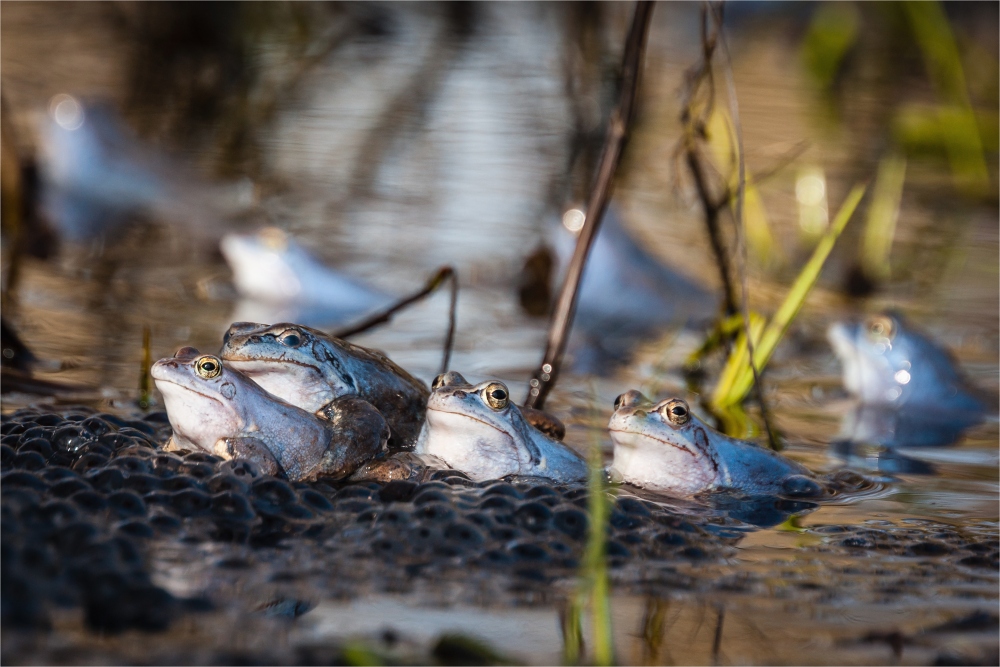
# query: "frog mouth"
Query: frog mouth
189,389
265,365
465,415
696,454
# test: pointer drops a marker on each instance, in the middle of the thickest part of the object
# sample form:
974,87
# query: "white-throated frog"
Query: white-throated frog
217,409
886,362
664,447
478,430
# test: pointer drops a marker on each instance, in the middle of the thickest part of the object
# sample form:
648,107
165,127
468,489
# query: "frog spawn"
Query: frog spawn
91,491
85,498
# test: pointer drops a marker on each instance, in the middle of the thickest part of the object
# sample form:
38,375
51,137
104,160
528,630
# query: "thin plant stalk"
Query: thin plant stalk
880,227
572,629
145,393
595,579
614,144
741,226
742,377
443,274
944,64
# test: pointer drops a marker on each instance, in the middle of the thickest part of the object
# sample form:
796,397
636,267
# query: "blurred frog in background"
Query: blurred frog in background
626,293
910,393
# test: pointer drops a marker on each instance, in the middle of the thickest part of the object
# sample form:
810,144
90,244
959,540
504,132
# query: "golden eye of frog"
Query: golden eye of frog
215,408
664,447
477,429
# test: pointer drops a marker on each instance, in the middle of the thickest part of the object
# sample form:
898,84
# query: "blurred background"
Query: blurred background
382,140
169,168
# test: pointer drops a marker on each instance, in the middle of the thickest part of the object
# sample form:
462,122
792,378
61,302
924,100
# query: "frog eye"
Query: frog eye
496,396
880,327
449,379
291,340
676,412
618,401
208,367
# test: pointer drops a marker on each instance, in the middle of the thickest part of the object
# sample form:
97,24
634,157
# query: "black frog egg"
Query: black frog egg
180,483
533,516
463,534
28,460
190,502
142,483
6,455
502,489
424,496
105,479
131,464
226,482
434,512
126,504
40,445
64,488
571,521
232,506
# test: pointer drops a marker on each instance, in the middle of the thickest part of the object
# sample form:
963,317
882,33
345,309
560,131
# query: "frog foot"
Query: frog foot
360,434
250,449
401,466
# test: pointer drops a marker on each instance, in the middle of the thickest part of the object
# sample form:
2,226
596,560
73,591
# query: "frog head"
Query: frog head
476,428
204,399
662,445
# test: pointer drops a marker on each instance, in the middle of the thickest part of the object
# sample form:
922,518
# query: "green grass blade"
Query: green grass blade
738,359
595,562
760,240
944,64
572,628
737,389
594,588
880,227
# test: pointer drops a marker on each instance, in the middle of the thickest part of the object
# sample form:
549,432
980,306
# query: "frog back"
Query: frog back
753,469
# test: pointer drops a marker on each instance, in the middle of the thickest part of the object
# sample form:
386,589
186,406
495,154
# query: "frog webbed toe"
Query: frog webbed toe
250,449
359,433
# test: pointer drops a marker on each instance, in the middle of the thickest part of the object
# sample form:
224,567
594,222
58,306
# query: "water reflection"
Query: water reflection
626,295
97,176
281,282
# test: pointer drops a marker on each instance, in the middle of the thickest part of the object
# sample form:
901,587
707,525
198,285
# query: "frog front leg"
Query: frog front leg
401,466
245,448
358,433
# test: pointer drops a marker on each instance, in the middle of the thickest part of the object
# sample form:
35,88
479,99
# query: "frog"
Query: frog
478,430
215,408
665,447
887,362
909,392
310,369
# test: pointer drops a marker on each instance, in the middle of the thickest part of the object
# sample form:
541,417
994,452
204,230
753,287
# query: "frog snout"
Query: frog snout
157,371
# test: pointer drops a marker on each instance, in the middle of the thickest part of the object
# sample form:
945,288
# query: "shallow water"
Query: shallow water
468,186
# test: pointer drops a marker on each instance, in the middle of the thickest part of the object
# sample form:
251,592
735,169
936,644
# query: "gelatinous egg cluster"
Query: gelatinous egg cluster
83,494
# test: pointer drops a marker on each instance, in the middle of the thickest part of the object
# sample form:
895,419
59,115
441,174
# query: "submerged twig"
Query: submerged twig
720,617
614,143
445,273
741,246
